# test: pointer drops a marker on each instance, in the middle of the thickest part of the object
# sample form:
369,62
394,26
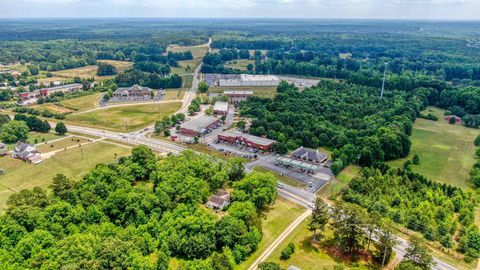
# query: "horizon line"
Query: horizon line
243,18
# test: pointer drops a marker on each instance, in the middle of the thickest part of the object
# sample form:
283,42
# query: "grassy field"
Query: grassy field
308,257
447,152
20,175
82,103
91,71
341,181
282,178
197,51
174,94
261,91
186,66
37,137
53,108
276,220
240,64
60,144
187,80
125,118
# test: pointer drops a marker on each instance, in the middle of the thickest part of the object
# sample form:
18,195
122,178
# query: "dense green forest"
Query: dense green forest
440,212
352,119
137,213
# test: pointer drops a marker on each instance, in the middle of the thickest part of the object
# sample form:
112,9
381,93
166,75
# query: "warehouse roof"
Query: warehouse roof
255,78
220,106
199,124
233,92
254,139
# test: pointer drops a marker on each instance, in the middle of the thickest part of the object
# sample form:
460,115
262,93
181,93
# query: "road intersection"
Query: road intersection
293,194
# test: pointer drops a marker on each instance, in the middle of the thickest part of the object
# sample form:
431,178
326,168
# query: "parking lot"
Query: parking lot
314,182
240,151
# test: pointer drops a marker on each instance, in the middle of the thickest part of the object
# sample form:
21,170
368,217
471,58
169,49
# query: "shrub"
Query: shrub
416,159
287,251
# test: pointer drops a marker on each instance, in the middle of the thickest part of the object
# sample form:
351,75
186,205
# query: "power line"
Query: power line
384,78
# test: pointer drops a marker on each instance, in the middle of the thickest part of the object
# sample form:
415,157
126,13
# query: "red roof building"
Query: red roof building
247,140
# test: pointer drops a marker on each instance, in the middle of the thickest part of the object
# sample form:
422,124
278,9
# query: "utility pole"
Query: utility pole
384,78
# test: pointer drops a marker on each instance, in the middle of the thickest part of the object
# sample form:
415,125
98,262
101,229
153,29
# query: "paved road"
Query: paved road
293,194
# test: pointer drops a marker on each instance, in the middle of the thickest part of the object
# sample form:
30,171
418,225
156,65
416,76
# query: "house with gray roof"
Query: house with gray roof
27,152
309,155
219,201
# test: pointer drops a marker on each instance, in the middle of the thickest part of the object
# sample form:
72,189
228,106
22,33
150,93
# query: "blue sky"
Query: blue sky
373,9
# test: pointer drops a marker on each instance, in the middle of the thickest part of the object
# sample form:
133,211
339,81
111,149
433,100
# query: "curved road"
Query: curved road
290,193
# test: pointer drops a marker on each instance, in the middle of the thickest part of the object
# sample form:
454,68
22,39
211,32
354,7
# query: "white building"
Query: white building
241,80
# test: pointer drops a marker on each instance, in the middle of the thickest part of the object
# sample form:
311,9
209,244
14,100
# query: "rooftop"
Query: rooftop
248,77
200,123
221,106
309,154
252,138
234,92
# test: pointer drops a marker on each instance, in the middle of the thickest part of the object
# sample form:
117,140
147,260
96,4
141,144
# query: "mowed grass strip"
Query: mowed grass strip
125,118
74,163
275,221
82,103
446,151
282,178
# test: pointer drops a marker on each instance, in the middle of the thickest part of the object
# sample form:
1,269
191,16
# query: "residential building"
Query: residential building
134,91
27,152
237,137
3,149
199,126
310,155
220,108
219,201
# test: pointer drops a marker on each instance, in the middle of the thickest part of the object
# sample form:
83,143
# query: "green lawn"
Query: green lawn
20,175
240,64
276,220
61,144
197,51
339,182
309,257
82,103
187,80
174,94
282,178
446,151
125,118
37,137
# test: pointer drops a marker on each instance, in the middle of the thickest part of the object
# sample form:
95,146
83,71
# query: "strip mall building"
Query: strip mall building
237,137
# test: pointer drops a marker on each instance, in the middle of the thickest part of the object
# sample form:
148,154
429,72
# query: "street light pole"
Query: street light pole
384,78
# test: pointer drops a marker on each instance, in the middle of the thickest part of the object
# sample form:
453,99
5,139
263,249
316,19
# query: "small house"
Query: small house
220,200
27,152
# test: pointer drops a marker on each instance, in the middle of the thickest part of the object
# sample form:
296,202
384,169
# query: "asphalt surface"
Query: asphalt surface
296,195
